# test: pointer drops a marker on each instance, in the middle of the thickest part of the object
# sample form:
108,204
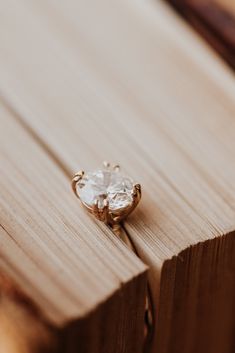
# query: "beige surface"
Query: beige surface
129,83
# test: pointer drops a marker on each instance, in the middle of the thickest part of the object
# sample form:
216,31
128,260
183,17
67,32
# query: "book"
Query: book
63,277
130,83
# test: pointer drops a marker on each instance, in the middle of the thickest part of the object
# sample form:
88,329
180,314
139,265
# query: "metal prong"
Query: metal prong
78,176
106,164
104,212
106,203
116,167
137,191
95,209
136,197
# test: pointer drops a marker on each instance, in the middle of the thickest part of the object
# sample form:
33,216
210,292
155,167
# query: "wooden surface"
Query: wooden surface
215,20
150,95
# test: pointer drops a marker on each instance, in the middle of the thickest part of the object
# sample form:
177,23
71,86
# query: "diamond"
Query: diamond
107,184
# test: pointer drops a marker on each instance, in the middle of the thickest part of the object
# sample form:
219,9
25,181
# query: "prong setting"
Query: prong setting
137,193
106,164
107,194
76,178
95,209
104,212
101,213
116,167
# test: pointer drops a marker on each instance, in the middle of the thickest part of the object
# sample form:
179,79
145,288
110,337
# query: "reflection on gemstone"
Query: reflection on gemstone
102,184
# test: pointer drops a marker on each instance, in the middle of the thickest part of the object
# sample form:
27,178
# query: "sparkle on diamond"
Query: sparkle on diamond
102,184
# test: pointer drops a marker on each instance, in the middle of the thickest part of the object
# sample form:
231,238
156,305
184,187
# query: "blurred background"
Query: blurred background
214,20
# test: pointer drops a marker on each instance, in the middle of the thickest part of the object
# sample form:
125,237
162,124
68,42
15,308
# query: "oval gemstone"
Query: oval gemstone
106,184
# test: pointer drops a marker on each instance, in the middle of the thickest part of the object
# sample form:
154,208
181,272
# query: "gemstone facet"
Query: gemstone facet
107,184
